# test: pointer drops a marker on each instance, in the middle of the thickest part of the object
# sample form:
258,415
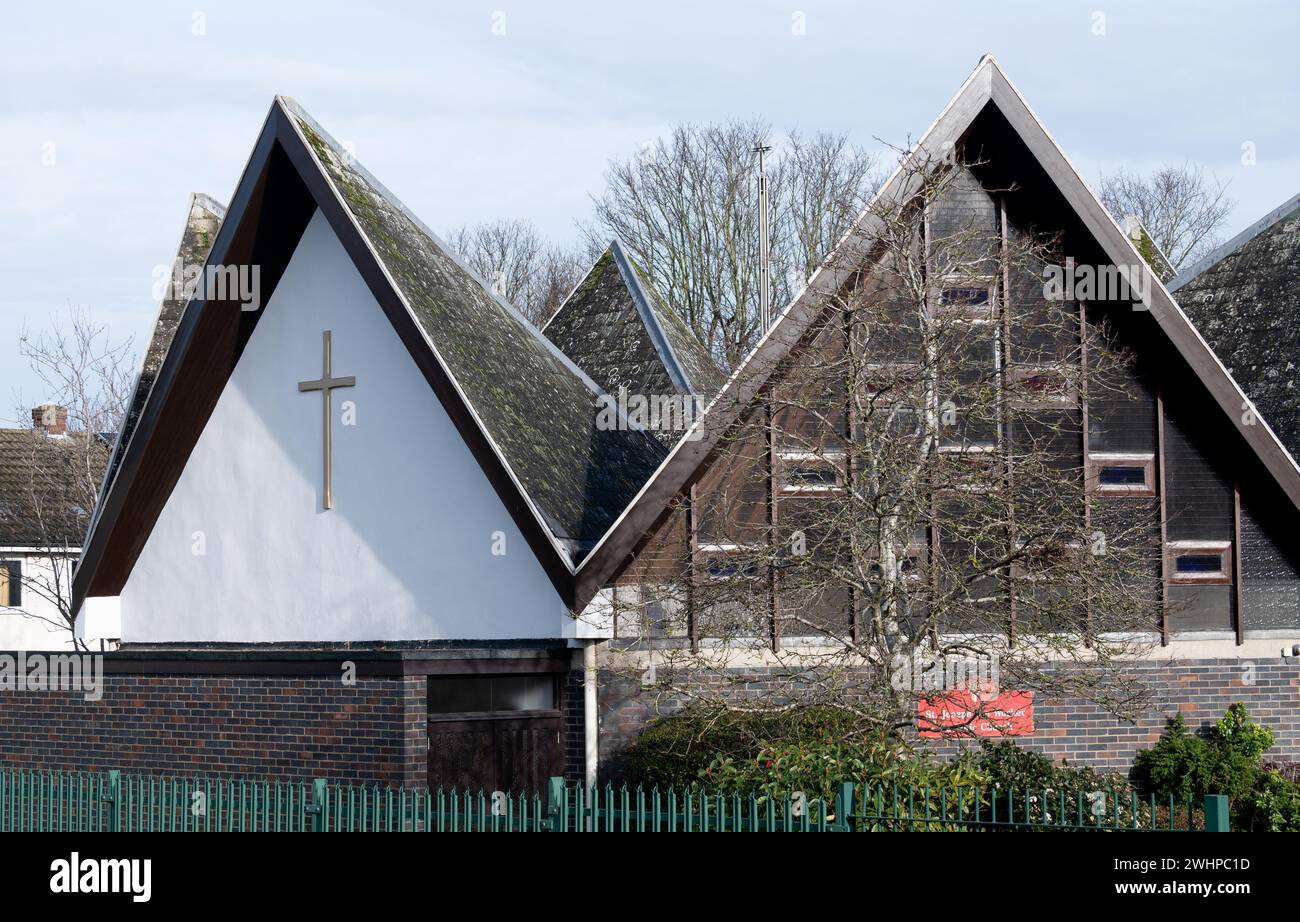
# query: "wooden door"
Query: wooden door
493,750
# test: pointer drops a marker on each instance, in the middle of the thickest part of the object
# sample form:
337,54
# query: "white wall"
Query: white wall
243,550
36,624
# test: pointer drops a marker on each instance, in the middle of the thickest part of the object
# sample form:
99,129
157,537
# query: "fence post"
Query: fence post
114,789
1216,813
317,808
844,804
555,798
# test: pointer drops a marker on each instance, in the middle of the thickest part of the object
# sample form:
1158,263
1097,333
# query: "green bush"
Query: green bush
818,766
1272,805
1021,777
1224,760
677,750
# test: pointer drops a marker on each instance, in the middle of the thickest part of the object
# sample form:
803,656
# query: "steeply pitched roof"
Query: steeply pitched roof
538,409
618,330
526,412
987,86
201,225
1245,299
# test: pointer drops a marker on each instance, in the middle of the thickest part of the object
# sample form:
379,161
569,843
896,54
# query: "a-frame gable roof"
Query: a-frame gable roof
526,412
987,86
1244,297
617,329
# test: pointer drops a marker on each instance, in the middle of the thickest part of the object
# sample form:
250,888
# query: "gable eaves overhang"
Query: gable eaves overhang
987,85
281,187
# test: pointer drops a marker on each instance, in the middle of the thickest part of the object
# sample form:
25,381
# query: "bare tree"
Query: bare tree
686,208
87,377
522,267
1182,208
908,492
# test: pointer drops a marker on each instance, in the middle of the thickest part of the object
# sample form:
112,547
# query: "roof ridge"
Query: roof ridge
1237,242
356,166
649,318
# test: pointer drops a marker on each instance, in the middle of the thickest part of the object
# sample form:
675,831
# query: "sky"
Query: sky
111,115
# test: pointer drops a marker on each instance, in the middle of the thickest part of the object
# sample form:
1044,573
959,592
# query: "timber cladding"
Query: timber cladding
1067,729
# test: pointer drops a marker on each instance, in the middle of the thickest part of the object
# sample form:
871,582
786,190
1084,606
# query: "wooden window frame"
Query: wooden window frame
966,313
1220,549
708,552
789,459
11,590
1098,460
1064,399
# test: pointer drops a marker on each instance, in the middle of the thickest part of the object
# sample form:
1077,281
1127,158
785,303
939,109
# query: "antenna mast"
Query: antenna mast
764,254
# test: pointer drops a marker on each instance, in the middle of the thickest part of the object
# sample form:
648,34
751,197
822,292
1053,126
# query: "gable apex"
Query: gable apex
986,86
527,413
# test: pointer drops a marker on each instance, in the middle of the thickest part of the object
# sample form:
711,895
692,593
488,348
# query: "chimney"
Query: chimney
51,419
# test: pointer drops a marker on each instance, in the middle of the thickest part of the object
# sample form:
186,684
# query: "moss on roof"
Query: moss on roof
201,225
1247,306
618,330
537,407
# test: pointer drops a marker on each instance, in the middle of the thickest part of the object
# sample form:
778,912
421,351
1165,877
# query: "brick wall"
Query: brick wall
1064,728
293,726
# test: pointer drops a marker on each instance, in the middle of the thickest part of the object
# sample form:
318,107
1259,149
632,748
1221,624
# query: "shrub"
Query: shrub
1021,777
1272,805
677,750
1179,764
1224,760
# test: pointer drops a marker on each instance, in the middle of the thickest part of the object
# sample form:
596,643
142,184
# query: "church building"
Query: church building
365,521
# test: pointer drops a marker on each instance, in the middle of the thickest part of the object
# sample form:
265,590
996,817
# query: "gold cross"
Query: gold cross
325,384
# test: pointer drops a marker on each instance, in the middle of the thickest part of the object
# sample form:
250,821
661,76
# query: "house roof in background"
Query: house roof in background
38,491
1245,299
617,329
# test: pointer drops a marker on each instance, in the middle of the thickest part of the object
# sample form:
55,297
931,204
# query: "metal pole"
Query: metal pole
764,257
589,718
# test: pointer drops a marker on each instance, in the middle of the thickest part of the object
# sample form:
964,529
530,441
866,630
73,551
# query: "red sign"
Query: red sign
968,713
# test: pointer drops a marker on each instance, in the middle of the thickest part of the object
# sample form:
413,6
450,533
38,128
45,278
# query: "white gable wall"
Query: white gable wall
243,550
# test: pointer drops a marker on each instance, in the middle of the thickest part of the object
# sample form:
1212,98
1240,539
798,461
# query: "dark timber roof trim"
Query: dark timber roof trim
987,85
524,410
202,221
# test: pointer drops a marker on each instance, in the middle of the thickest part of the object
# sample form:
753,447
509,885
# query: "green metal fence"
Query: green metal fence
51,801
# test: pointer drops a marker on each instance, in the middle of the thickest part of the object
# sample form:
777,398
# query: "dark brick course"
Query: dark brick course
270,726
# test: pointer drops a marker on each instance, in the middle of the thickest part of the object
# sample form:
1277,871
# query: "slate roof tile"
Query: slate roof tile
1245,300
539,410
